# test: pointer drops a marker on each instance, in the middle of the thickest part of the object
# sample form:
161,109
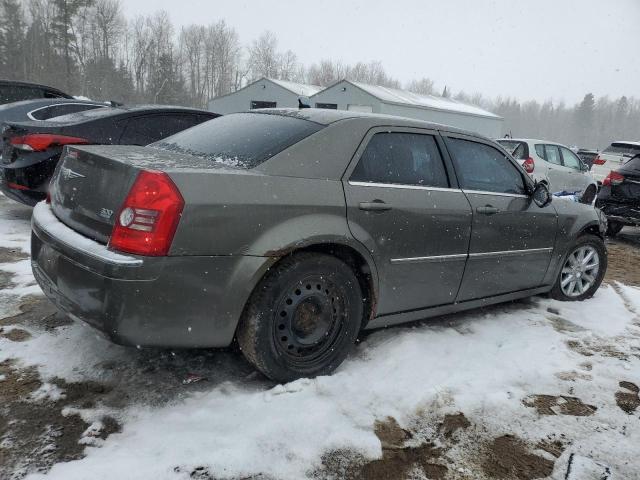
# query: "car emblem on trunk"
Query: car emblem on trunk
106,213
69,174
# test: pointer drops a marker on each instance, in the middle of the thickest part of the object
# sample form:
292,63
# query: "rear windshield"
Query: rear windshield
242,139
519,150
623,149
632,164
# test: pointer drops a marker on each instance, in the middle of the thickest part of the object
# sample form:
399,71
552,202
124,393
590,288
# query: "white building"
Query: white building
263,93
346,95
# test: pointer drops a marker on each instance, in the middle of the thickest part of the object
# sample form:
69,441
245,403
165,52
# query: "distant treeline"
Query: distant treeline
88,47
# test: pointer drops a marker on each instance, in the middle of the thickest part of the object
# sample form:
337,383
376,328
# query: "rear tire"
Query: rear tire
303,318
582,270
613,228
589,195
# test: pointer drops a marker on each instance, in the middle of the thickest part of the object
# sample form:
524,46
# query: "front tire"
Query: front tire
582,270
303,318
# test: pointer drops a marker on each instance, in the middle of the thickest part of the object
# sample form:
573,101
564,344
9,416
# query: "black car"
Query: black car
32,149
45,108
587,156
12,91
619,197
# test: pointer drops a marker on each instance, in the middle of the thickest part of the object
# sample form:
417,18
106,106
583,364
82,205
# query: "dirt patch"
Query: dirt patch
34,431
508,457
452,423
10,255
552,446
563,325
37,311
572,376
621,258
390,434
15,334
559,405
591,349
627,398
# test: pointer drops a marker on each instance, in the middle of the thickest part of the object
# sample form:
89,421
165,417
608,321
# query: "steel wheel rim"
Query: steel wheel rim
580,271
308,320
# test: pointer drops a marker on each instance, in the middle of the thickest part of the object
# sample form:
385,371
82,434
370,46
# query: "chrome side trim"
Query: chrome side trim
510,253
463,256
433,259
483,192
404,187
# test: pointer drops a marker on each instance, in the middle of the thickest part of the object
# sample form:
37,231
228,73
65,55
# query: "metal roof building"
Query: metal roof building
263,93
347,95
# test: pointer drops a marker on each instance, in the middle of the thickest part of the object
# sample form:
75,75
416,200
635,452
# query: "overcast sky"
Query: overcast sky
533,49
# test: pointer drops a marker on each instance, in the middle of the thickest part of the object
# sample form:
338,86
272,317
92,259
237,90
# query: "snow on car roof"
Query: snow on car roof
404,97
297,88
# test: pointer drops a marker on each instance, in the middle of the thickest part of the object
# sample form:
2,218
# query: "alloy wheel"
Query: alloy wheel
580,271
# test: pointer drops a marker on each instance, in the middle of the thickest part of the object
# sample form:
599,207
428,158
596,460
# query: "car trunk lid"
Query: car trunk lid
91,183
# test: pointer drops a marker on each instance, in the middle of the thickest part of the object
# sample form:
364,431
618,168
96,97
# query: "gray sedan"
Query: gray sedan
293,230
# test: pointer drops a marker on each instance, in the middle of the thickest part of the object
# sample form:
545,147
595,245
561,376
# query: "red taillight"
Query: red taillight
529,165
149,216
38,142
15,186
599,161
614,178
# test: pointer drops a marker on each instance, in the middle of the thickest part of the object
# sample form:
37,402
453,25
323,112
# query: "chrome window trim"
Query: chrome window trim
31,117
508,253
485,192
464,256
433,259
402,186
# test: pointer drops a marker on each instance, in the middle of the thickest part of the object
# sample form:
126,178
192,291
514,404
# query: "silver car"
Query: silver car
554,164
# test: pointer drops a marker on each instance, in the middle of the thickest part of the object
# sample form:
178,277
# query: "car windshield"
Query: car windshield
242,140
628,149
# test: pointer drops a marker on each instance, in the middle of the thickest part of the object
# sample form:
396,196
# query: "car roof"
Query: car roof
36,85
532,140
123,110
329,116
44,102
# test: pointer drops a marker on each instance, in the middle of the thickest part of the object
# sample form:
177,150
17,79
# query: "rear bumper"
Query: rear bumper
144,301
27,196
619,212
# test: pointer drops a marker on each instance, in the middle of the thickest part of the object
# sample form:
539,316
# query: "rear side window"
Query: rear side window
143,130
633,164
481,167
241,139
552,154
402,158
58,110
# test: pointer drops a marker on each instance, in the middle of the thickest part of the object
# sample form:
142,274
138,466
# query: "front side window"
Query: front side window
481,167
570,159
402,158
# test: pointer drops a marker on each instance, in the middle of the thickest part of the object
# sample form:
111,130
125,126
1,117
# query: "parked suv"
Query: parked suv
619,197
613,157
553,164
294,229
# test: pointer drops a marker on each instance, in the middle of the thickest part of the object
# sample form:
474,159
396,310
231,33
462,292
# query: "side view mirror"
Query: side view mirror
541,195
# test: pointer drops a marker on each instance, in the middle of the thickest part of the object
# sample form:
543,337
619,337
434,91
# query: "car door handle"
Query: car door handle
374,206
487,210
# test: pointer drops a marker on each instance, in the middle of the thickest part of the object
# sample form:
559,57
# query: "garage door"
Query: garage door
360,108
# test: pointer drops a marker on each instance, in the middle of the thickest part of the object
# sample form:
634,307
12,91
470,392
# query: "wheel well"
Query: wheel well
358,265
591,230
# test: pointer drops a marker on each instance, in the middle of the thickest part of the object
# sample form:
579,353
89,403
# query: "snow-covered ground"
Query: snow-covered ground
538,370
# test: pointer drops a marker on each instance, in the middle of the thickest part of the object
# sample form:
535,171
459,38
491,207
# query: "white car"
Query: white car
612,157
553,164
